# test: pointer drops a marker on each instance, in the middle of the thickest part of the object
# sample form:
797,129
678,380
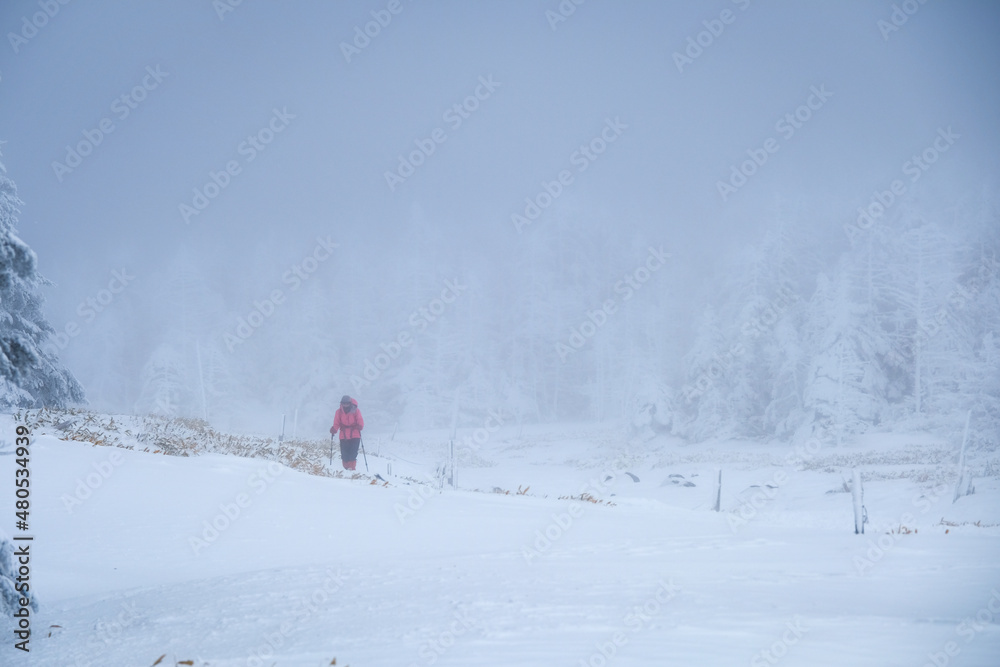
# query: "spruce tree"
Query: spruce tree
12,594
30,376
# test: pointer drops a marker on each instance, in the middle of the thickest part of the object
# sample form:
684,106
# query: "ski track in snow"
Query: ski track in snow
316,568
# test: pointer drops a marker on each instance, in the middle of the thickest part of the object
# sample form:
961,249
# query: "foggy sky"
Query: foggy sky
344,124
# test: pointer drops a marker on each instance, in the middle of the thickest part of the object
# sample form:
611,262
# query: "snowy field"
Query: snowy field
299,570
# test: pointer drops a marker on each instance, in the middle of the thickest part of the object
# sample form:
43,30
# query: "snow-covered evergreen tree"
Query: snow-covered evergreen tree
974,305
30,375
702,407
923,277
844,390
898,332
10,597
166,388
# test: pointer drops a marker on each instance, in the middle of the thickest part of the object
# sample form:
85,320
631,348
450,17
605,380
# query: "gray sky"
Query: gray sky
887,94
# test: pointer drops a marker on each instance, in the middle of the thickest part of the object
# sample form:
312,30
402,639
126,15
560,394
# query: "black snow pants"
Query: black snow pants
349,449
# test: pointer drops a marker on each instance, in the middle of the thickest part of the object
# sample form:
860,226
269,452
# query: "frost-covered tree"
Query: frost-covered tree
923,277
741,376
845,387
187,369
785,355
166,388
973,310
10,597
899,332
702,407
30,375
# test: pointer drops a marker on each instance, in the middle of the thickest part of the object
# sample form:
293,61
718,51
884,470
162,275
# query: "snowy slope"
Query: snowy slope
313,568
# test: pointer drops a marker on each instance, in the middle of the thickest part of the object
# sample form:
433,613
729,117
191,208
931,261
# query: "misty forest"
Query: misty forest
878,312
729,248
889,325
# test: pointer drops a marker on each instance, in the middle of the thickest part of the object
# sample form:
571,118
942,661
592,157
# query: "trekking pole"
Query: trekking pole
363,452
331,450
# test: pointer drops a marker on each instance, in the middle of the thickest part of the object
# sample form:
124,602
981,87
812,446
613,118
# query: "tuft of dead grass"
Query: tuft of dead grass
179,436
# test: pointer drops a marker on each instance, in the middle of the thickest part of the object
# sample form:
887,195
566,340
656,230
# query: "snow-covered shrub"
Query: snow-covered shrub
9,595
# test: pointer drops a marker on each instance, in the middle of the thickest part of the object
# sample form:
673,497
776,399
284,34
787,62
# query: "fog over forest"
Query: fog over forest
717,219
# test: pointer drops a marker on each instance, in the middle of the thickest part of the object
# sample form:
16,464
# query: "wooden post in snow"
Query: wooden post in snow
451,456
718,492
960,486
858,494
451,443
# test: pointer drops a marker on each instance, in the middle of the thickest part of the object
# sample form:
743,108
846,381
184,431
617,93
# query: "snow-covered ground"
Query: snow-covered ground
298,569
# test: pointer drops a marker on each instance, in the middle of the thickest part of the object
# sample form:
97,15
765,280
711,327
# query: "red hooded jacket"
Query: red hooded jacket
349,423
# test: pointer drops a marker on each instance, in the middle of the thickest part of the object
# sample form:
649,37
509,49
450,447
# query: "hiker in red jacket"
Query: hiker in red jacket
349,422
